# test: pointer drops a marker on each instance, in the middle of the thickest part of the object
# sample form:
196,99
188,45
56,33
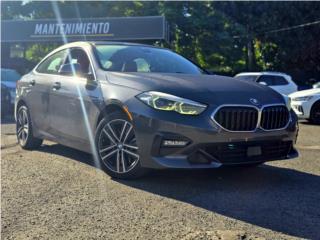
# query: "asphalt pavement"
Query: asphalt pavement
56,192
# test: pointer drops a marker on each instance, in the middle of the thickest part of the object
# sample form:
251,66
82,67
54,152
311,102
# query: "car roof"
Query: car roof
95,43
262,73
121,43
249,73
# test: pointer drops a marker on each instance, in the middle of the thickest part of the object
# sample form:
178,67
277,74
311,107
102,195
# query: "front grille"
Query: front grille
237,118
274,117
233,153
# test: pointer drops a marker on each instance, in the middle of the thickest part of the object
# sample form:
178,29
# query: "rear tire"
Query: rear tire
24,130
116,147
315,113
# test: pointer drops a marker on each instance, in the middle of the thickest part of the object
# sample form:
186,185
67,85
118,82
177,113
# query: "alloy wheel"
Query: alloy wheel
117,146
22,126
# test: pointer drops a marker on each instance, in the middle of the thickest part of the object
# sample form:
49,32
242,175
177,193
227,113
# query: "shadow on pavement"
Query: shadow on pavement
305,122
280,199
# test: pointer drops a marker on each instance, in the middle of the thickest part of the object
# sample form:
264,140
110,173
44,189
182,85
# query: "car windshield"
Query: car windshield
9,75
121,58
247,77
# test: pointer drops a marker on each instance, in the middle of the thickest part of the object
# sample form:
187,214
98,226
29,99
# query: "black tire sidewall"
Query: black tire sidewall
313,109
31,141
137,171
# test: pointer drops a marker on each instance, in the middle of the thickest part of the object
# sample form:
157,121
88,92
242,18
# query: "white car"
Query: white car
280,82
316,85
306,104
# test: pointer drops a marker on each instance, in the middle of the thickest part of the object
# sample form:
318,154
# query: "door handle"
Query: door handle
56,86
32,82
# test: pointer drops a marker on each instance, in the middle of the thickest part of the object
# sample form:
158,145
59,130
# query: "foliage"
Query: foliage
216,35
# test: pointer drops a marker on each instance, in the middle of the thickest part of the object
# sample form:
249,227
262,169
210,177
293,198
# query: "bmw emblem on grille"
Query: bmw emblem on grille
254,101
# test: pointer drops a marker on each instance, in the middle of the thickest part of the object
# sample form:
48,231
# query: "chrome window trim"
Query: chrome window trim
258,126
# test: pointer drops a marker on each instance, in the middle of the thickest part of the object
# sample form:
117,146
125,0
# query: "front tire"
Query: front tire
24,130
117,148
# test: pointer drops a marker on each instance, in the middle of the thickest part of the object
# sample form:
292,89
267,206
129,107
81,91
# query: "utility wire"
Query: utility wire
282,29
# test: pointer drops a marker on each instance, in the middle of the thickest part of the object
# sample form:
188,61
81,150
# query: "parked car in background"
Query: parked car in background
9,78
316,85
306,104
280,82
5,100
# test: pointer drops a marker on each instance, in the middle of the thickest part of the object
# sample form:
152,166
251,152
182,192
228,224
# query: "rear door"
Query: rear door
39,83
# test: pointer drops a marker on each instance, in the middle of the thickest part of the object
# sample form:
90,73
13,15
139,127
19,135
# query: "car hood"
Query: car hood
309,92
209,89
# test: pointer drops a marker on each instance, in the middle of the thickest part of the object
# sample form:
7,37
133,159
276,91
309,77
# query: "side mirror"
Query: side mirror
89,76
263,83
70,69
91,82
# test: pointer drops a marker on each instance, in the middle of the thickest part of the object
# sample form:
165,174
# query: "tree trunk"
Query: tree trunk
250,54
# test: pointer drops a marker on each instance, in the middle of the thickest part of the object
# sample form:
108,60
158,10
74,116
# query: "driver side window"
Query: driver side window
79,56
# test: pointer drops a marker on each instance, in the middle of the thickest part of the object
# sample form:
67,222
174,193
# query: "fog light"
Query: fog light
174,143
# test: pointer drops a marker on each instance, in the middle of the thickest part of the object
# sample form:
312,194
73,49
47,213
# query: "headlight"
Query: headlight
167,102
302,99
287,100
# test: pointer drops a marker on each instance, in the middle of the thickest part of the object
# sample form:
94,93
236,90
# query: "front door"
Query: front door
72,104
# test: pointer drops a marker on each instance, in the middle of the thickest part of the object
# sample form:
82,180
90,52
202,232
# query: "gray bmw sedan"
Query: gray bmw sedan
136,107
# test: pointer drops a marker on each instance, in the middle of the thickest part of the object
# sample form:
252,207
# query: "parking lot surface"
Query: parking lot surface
58,193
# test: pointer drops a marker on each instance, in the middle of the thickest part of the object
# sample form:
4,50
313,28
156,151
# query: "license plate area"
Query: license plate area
254,151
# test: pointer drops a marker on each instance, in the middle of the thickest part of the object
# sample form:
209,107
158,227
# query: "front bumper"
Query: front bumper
209,146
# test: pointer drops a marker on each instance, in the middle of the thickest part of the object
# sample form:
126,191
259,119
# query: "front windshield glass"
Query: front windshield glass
8,75
121,58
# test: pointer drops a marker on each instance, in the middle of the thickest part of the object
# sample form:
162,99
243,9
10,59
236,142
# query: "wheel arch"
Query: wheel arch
18,105
314,104
110,107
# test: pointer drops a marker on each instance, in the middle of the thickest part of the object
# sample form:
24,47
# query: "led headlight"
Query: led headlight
302,99
287,100
167,102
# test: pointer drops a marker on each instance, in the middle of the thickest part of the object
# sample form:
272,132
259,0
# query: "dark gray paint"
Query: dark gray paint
57,114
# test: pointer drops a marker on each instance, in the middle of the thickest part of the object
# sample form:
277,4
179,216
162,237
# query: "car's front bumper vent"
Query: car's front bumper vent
274,117
237,152
237,118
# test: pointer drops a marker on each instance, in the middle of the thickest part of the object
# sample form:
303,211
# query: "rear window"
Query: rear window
251,78
52,64
278,80
273,80
9,75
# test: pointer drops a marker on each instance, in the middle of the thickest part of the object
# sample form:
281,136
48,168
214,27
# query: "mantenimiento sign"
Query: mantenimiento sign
125,28
72,29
